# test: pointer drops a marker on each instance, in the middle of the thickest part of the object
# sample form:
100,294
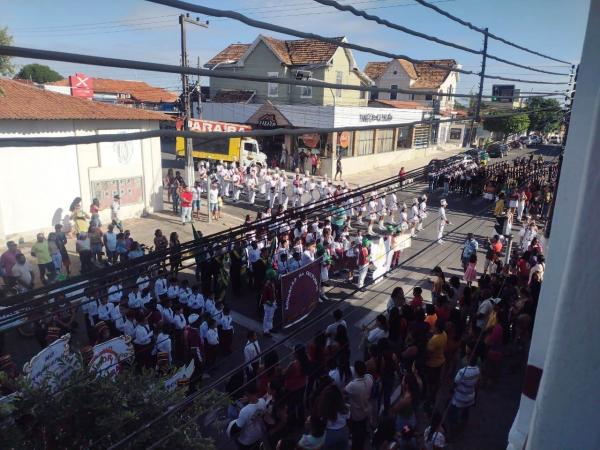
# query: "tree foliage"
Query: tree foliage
38,73
6,67
544,121
506,125
102,408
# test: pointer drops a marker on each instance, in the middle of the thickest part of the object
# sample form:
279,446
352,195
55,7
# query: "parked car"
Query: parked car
555,140
497,150
473,152
433,166
462,158
515,144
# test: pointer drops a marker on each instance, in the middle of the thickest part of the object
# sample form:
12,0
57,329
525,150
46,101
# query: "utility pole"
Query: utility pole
481,81
185,97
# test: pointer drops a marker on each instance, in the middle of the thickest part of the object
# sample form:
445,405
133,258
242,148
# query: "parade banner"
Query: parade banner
182,374
300,292
53,365
110,355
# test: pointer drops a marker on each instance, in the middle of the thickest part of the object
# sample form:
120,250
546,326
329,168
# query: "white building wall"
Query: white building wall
38,184
388,78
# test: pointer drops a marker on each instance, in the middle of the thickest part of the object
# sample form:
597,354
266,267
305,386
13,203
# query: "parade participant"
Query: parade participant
269,308
163,344
142,341
134,298
251,184
251,351
443,220
298,190
226,331
196,301
115,209
236,181
372,207
363,262
422,212
211,343
391,204
381,212
414,217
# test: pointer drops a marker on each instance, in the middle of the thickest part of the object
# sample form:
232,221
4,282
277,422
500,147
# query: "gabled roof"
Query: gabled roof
425,76
233,96
20,101
232,52
139,90
296,52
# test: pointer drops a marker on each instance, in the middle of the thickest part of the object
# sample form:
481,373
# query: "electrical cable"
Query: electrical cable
395,26
481,30
292,32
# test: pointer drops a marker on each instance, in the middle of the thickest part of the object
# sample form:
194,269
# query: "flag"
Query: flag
197,234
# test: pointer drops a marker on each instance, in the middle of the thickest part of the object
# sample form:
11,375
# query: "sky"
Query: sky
142,30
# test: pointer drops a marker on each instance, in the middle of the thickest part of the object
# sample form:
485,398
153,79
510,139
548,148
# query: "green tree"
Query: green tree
6,67
102,410
545,116
38,73
506,125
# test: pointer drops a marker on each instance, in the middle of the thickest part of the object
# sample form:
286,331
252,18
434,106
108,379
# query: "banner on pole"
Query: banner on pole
300,292
108,356
185,373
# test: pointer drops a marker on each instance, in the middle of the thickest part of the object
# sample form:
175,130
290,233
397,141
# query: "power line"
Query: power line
158,67
481,30
395,26
301,34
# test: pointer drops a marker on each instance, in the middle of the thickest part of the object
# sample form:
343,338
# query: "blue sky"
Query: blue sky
141,30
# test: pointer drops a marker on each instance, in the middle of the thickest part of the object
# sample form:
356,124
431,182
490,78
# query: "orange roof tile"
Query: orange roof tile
232,96
232,53
20,101
432,77
139,90
401,104
409,68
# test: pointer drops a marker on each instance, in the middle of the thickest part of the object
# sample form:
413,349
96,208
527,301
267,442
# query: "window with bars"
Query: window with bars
403,140
385,141
365,142
421,136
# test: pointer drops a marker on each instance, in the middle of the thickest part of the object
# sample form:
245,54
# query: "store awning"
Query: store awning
268,116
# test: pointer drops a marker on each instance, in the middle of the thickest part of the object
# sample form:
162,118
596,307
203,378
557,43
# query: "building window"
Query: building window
305,91
404,138
412,96
374,95
394,93
428,97
273,88
449,98
385,141
339,79
365,142
455,134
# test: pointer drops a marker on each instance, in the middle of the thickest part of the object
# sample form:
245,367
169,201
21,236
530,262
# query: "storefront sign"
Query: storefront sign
300,292
344,139
81,86
208,126
267,121
311,140
375,117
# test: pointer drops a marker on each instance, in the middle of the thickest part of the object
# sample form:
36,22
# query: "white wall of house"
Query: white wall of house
393,75
38,184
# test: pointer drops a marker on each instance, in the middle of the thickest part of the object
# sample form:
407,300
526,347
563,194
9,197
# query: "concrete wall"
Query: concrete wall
38,184
341,63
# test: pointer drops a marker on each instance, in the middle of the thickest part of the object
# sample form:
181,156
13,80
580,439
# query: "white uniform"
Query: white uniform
443,220
268,317
422,214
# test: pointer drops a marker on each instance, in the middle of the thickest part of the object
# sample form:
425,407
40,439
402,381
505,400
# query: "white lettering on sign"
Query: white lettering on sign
208,126
375,117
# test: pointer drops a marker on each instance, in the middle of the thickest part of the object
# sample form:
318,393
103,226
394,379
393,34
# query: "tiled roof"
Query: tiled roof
19,101
292,53
232,53
233,96
139,90
375,69
400,104
432,77
426,77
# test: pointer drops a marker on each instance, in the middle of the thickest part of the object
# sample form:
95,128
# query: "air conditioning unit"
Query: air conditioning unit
303,74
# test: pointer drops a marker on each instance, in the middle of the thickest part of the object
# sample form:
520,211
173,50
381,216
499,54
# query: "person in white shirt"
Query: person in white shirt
196,200
213,201
422,212
105,310
308,255
443,220
114,212
185,292
212,343
251,188
269,313
173,290
163,343
143,281
249,424
167,312
134,299
160,286
115,292
331,329
251,351
142,341
226,331
359,397
90,310
414,217
379,331
210,306
196,301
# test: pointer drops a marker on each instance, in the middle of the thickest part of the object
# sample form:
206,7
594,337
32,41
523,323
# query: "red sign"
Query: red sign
344,139
311,140
300,292
81,86
208,126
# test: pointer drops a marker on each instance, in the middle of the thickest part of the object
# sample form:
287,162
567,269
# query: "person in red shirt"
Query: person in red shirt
294,382
186,205
401,176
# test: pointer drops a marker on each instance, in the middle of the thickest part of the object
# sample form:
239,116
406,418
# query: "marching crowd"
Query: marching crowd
389,392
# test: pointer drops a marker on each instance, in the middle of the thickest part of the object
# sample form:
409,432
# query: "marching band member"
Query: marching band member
414,217
443,220
381,211
422,212
226,331
372,215
251,183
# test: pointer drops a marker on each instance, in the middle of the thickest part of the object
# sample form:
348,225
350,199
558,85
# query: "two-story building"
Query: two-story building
296,59
402,74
